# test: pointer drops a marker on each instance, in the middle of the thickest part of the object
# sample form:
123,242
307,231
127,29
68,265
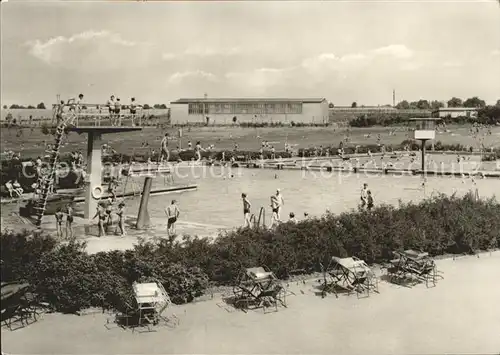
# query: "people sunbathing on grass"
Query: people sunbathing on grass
17,187
12,191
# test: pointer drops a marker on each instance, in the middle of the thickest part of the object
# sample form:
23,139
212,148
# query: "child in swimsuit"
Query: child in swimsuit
69,221
59,220
121,218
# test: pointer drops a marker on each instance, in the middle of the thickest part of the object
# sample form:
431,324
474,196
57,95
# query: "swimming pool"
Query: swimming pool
217,202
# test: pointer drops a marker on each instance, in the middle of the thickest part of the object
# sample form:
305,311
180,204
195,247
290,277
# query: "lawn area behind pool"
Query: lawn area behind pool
31,143
459,315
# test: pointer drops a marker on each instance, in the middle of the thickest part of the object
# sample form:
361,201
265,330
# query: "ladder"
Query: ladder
46,181
261,221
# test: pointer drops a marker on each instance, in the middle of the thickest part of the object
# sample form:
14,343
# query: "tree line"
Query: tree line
472,102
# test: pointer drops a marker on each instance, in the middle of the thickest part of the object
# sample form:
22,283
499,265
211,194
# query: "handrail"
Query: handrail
98,105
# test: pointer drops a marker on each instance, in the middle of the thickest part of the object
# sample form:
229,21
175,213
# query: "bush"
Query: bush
69,279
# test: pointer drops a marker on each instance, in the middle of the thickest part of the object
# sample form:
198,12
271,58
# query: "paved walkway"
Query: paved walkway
459,315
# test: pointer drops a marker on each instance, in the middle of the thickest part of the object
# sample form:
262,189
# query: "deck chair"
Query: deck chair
273,297
163,305
425,272
19,305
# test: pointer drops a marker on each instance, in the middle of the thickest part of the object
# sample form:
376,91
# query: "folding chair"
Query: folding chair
350,274
258,287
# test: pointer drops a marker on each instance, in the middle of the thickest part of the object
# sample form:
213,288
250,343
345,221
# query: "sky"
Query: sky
162,51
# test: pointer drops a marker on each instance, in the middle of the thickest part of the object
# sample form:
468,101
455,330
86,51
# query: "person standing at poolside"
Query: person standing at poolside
280,203
364,195
369,200
69,221
101,214
246,210
276,204
121,218
172,212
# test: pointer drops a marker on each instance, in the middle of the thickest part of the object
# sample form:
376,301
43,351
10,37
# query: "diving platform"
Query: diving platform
94,160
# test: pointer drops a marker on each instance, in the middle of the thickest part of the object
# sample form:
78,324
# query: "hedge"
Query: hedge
188,155
69,279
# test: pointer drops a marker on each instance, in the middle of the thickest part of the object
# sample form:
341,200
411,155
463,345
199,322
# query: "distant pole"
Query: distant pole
393,98
423,155
204,107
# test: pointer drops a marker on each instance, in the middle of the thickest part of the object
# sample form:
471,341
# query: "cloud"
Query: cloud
53,50
323,67
354,60
394,50
179,77
91,51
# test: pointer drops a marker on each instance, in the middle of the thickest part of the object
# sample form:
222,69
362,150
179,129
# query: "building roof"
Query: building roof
246,100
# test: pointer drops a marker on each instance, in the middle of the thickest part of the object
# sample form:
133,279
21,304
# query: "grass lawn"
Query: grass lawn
31,141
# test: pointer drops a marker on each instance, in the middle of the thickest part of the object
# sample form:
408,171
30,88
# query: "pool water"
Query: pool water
216,204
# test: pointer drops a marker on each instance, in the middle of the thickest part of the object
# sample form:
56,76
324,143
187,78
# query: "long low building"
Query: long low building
257,110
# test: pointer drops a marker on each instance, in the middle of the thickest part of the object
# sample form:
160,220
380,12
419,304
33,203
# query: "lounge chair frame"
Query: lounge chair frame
258,287
413,267
348,274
